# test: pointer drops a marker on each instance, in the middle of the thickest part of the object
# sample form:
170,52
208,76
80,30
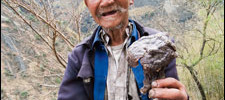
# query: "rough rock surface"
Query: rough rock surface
154,52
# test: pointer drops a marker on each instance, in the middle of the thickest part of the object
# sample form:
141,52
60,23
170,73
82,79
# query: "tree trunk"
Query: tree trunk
199,85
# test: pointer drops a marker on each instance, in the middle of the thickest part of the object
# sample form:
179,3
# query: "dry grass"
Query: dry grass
210,71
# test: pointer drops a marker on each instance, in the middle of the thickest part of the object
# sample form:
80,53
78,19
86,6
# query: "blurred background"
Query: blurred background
37,35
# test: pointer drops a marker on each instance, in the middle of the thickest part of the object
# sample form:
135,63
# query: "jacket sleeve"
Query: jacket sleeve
72,87
171,70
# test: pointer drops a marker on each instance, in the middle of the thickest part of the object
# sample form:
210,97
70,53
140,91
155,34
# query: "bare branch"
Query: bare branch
31,27
48,23
47,85
54,50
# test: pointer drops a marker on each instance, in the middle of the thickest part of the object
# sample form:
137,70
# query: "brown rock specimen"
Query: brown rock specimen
155,52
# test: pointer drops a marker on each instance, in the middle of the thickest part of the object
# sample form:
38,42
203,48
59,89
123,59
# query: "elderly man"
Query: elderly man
97,68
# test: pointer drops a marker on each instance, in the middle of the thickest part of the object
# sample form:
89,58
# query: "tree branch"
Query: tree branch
49,24
54,50
32,28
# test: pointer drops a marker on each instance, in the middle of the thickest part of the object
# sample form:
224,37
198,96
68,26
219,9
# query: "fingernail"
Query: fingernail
154,84
151,93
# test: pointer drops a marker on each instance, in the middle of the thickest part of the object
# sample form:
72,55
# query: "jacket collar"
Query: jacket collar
97,38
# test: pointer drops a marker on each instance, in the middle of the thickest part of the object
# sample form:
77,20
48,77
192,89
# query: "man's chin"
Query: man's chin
112,24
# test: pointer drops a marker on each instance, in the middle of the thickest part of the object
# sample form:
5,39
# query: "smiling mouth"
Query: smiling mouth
109,13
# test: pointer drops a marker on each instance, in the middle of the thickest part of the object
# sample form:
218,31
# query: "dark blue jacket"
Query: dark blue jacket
78,80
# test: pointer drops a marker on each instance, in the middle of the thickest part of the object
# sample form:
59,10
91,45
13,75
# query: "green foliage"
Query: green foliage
44,55
24,95
24,75
42,67
58,80
37,37
9,74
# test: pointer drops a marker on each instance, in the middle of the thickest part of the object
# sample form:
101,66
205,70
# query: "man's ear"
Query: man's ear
131,2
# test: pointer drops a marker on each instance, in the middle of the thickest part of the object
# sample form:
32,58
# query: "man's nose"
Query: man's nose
106,3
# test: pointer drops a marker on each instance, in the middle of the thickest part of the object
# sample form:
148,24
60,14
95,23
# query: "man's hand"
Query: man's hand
168,88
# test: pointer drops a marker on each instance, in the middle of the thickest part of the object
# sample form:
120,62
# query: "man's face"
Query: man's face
109,13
